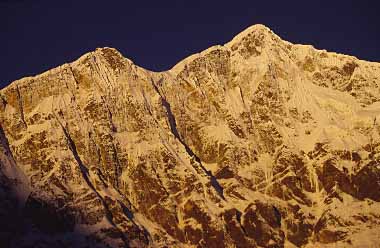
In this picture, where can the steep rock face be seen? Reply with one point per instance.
(256, 143)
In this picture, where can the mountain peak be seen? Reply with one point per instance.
(258, 30)
(254, 28)
(251, 40)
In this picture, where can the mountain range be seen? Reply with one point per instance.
(255, 143)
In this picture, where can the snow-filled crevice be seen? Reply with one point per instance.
(173, 127)
(85, 175)
(21, 106)
(82, 167)
(109, 114)
(131, 217)
(238, 218)
(74, 77)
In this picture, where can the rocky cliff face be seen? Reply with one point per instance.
(256, 143)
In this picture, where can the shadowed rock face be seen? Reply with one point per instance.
(256, 143)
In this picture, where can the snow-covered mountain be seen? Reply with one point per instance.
(255, 143)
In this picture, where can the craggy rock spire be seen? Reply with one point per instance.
(255, 143)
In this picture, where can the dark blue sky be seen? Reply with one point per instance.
(36, 35)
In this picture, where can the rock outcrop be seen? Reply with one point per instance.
(256, 143)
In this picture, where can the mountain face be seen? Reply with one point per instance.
(256, 143)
